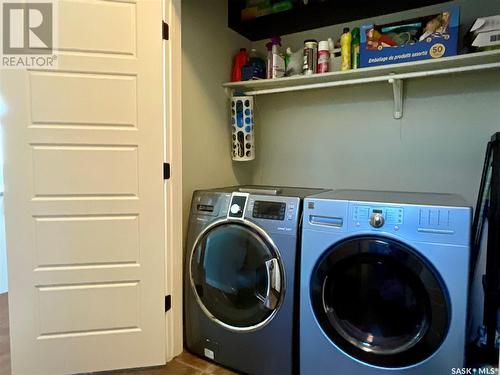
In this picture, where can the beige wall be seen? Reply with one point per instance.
(341, 137)
(347, 137)
(208, 47)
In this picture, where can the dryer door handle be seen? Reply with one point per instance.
(273, 284)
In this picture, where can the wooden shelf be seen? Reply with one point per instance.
(394, 74)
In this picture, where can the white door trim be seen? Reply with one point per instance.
(173, 155)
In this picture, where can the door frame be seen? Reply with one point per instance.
(172, 55)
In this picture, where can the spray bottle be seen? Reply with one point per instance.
(275, 60)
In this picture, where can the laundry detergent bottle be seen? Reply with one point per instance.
(240, 60)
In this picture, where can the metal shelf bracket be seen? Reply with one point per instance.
(397, 89)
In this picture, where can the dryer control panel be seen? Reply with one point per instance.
(377, 216)
(413, 221)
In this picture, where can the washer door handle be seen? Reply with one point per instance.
(273, 284)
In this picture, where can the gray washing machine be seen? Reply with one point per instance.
(240, 277)
(384, 283)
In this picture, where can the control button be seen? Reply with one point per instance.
(377, 220)
(235, 209)
(290, 217)
(396, 228)
(358, 224)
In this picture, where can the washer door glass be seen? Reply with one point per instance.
(380, 301)
(236, 276)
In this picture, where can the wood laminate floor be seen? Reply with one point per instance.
(184, 364)
(4, 336)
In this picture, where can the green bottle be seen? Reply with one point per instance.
(355, 48)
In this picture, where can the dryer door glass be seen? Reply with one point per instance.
(237, 276)
(380, 301)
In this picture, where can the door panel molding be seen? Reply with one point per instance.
(84, 203)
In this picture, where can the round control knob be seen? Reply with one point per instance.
(377, 220)
(235, 209)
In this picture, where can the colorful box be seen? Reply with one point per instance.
(423, 38)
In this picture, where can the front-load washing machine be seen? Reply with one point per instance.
(240, 277)
(384, 283)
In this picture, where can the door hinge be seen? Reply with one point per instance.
(165, 30)
(166, 171)
(168, 303)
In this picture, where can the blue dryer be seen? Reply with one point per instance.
(384, 283)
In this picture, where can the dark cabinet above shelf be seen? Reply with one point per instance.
(316, 14)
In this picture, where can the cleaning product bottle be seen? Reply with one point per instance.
(323, 57)
(255, 68)
(294, 62)
(240, 60)
(331, 48)
(269, 62)
(310, 65)
(345, 46)
(275, 59)
(355, 48)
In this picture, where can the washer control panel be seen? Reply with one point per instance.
(237, 205)
(377, 216)
(269, 210)
(275, 214)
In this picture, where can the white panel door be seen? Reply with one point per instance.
(84, 196)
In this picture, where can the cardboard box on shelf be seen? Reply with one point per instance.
(486, 32)
(429, 37)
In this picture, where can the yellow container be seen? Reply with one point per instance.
(345, 48)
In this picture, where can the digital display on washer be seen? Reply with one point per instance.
(269, 210)
(205, 208)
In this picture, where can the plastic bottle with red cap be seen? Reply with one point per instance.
(240, 60)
